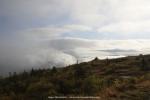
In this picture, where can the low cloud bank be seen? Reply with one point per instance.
(40, 51)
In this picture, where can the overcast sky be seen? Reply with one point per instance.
(45, 33)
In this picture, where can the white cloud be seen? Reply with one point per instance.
(127, 27)
(123, 16)
(47, 42)
(27, 52)
(32, 9)
(52, 32)
(77, 28)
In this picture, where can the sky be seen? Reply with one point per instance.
(47, 33)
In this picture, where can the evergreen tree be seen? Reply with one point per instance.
(107, 61)
(143, 64)
(10, 74)
(96, 58)
(32, 72)
(53, 70)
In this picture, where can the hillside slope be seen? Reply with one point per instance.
(125, 78)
